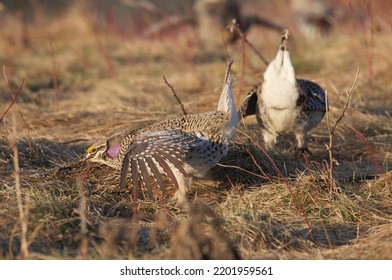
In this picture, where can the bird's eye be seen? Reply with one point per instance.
(92, 150)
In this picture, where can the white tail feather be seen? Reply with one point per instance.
(226, 104)
(279, 87)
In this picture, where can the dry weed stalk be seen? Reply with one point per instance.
(14, 95)
(106, 58)
(258, 166)
(225, 45)
(234, 27)
(245, 171)
(331, 130)
(83, 217)
(370, 152)
(285, 181)
(175, 95)
(234, 188)
(243, 54)
(14, 98)
(23, 209)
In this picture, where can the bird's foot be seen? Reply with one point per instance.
(301, 151)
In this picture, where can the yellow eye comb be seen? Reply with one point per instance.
(91, 149)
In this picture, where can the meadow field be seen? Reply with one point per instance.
(73, 74)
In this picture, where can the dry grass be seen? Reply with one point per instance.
(80, 89)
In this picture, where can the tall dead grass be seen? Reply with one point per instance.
(253, 205)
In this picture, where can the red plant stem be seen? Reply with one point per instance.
(370, 43)
(243, 53)
(234, 188)
(370, 151)
(54, 78)
(106, 59)
(289, 188)
(307, 163)
(14, 97)
(225, 43)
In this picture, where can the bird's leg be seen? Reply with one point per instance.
(301, 151)
(270, 138)
(184, 185)
(301, 147)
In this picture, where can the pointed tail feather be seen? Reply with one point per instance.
(226, 104)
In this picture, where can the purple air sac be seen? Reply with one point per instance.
(113, 151)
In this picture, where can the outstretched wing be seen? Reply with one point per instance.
(249, 105)
(154, 153)
(312, 94)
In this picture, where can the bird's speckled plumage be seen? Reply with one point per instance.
(181, 147)
(283, 104)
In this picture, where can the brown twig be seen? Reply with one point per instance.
(224, 42)
(233, 187)
(331, 130)
(234, 26)
(175, 95)
(243, 54)
(329, 146)
(349, 94)
(243, 170)
(14, 96)
(258, 165)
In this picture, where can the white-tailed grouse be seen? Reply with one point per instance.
(283, 104)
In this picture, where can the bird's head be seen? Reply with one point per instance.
(96, 153)
(106, 152)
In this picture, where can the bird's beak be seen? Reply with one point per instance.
(87, 157)
(89, 153)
